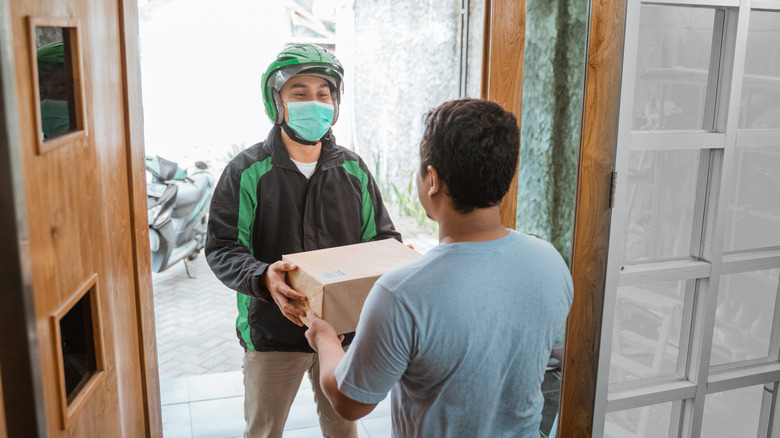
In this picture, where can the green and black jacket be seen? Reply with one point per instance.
(263, 207)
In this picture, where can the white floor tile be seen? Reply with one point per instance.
(174, 390)
(378, 427)
(217, 418)
(213, 386)
(176, 421)
(308, 432)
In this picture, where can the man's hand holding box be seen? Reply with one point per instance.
(337, 280)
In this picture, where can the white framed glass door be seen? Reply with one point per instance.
(691, 328)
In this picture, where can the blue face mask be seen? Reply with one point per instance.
(310, 120)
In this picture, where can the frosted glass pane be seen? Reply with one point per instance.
(673, 58)
(761, 84)
(743, 320)
(646, 337)
(753, 219)
(660, 199)
(646, 422)
(732, 414)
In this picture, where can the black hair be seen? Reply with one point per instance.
(473, 145)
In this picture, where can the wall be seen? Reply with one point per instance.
(406, 64)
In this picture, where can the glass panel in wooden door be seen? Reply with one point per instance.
(730, 414)
(645, 422)
(744, 316)
(760, 106)
(659, 219)
(673, 56)
(646, 339)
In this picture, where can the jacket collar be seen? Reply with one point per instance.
(330, 155)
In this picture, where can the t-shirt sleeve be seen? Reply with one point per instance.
(381, 351)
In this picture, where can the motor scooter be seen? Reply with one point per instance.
(177, 207)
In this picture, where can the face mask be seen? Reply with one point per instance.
(54, 117)
(310, 120)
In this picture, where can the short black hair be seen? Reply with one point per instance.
(473, 145)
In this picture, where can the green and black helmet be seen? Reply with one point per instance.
(297, 59)
(52, 52)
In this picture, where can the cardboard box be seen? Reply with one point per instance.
(338, 280)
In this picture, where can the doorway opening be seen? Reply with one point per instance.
(201, 67)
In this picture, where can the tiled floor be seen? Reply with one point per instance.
(212, 406)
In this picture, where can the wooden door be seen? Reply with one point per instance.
(77, 142)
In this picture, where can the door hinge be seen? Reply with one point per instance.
(612, 188)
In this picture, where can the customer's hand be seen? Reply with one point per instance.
(320, 332)
(282, 294)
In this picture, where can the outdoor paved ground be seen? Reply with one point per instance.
(195, 320)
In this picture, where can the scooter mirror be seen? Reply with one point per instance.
(201, 165)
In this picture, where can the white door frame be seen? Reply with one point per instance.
(717, 142)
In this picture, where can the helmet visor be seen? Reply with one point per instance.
(279, 77)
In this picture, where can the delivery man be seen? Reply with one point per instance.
(296, 191)
(463, 334)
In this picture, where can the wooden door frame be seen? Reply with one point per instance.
(25, 414)
(598, 144)
(142, 258)
(502, 76)
(503, 50)
(22, 383)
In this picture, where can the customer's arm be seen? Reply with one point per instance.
(327, 344)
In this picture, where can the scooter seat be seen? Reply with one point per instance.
(190, 193)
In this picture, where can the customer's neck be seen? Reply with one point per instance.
(480, 225)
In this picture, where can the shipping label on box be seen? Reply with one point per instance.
(337, 280)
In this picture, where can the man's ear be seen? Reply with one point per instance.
(436, 183)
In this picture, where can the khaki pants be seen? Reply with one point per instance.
(271, 381)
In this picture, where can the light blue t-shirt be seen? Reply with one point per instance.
(462, 337)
